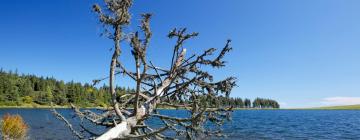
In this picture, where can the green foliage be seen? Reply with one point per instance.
(246, 103)
(265, 103)
(16, 90)
(27, 100)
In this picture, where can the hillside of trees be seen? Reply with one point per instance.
(17, 90)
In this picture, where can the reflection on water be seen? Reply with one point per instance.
(245, 124)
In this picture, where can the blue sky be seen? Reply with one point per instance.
(301, 53)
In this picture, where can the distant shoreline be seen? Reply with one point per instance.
(348, 107)
(345, 107)
(66, 107)
(43, 107)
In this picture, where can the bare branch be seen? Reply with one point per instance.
(183, 85)
(67, 123)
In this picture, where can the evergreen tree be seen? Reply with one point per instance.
(18, 89)
(247, 103)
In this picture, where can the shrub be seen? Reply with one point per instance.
(28, 99)
(13, 127)
(101, 104)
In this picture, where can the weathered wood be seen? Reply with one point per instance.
(184, 79)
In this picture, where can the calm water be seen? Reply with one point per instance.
(246, 124)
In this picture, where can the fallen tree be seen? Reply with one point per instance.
(183, 80)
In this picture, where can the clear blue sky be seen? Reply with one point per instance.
(301, 53)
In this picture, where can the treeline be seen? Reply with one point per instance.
(246, 103)
(265, 103)
(16, 90)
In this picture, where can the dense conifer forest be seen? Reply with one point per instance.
(30, 90)
(18, 90)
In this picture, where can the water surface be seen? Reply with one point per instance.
(245, 124)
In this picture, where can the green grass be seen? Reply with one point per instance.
(33, 106)
(346, 107)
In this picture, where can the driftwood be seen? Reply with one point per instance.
(182, 81)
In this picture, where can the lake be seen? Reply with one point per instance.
(245, 124)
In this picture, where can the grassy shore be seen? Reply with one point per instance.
(37, 106)
(30, 106)
(347, 107)
(34, 106)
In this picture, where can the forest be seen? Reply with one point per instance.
(30, 90)
(16, 90)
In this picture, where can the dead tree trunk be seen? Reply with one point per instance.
(183, 85)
